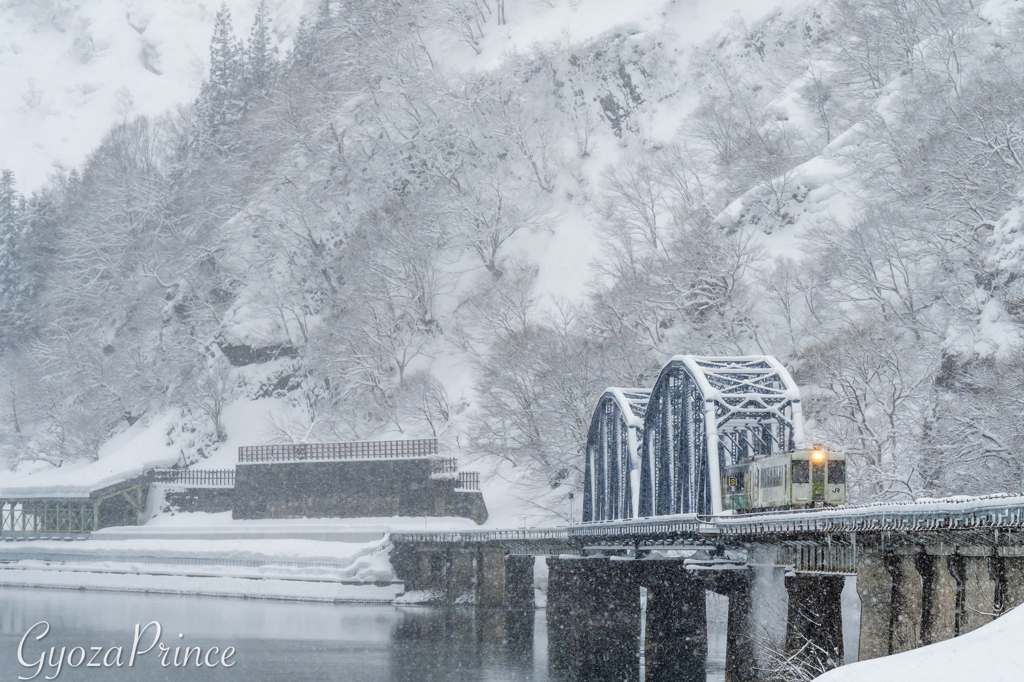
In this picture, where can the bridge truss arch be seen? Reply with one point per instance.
(734, 407)
(611, 475)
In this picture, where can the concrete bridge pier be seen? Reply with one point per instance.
(503, 580)
(1012, 569)
(488, 577)
(741, 636)
(458, 577)
(899, 608)
(907, 605)
(814, 623)
(981, 572)
(593, 616)
(915, 595)
(676, 637)
(940, 566)
(876, 587)
(566, 584)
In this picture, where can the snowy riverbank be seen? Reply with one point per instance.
(992, 653)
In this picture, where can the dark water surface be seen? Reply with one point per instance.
(272, 640)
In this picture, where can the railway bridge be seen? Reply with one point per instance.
(656, 536)
(925, 572)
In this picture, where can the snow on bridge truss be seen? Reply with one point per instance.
(647, 452)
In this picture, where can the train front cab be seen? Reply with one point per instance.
(803, 478)
(736, 491)
(818, 478)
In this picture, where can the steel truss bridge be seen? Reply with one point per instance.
(662, 451)
(653, 479)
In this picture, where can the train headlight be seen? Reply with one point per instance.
(817, 455)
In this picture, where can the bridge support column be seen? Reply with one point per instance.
(593, 619)
(503, 581)
(979, 601)
(459, 576)
(907, 601)
(419, 570)
(875, 588)
(519, 583)
(1013, 579)
(566, 590)
(816, 617)
(740, 665)
(676, 646)
(941, 595)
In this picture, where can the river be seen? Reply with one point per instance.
(273, 641)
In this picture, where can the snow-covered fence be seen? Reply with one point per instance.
(444, 466)
(304, 452)
(197, 478)
(468, 480)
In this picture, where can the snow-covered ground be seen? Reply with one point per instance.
(221, 525)
(269, 565)
(221, 586)
(992, 653)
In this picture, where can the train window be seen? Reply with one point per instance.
(837, 472)
(801, 471)
(772, 477)
(819, 472)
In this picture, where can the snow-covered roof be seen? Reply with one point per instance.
(125, 456)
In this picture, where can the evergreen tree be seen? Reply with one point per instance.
(10, 200)
(14, 289)
(323, 15)
(302, 50)
(221, 98)
(308, 36)
(261, 62)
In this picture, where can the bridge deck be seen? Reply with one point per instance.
(948, 514)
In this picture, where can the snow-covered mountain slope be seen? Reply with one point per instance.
(69, 69)
(469, 223)
(667, 32)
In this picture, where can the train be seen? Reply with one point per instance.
(800, 479)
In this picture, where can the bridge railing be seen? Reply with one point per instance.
(991, 511)
(478, 536)
(27, 554)
(304, 452)
(196, 478)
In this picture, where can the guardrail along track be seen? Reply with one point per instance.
(988, 512)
